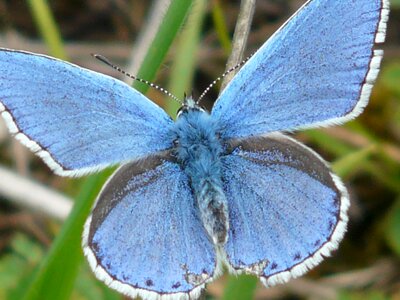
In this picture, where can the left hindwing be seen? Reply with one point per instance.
(286, 209)
(145, 237)
(317, 70)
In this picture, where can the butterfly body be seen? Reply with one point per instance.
(198, 150)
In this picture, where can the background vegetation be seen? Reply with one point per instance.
(185, 47)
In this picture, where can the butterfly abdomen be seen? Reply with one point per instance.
(198, 150)
(213, 210)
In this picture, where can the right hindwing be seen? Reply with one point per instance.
(286, 209)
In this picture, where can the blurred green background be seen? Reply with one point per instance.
(184, 47)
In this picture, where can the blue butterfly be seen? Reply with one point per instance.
(211, 189)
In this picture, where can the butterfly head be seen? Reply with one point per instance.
(189, 104)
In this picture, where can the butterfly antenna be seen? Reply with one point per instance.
(107, 62)
(222, 76)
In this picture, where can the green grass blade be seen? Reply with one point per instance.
(395, 4)
(392, 228)
(48, 28)
(169, 27)
(327, 142)
(220, 27)
(185, 57)
(57, 273)
(352, 161)
(391, 74)
(240, 287)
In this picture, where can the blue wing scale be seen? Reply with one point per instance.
(317, 70)
(145, 220)
(286, 208)
(77, 120)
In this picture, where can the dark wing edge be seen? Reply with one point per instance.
(45, 155)
(41, 151)
(130, 291)
(370, 77)
(325, 250)
(328, 247)
(127, 289)
(380, 34)
(36, 147)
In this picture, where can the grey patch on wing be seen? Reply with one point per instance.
(256, 268)
(120, 184)
(277, 149)
(195, 279)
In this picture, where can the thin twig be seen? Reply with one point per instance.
(21, 156)
(326, 287)
(143, 42)
(358, 140)
(3, 131)
(28, 193)
(381, 270)
(25, 222)
(240, 36)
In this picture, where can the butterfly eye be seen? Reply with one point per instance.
(175, 142)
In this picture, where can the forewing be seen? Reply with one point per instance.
(144, 236)
(286, 209)
(317, 70)
(77, 120)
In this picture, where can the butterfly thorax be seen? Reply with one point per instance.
(198, 150)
